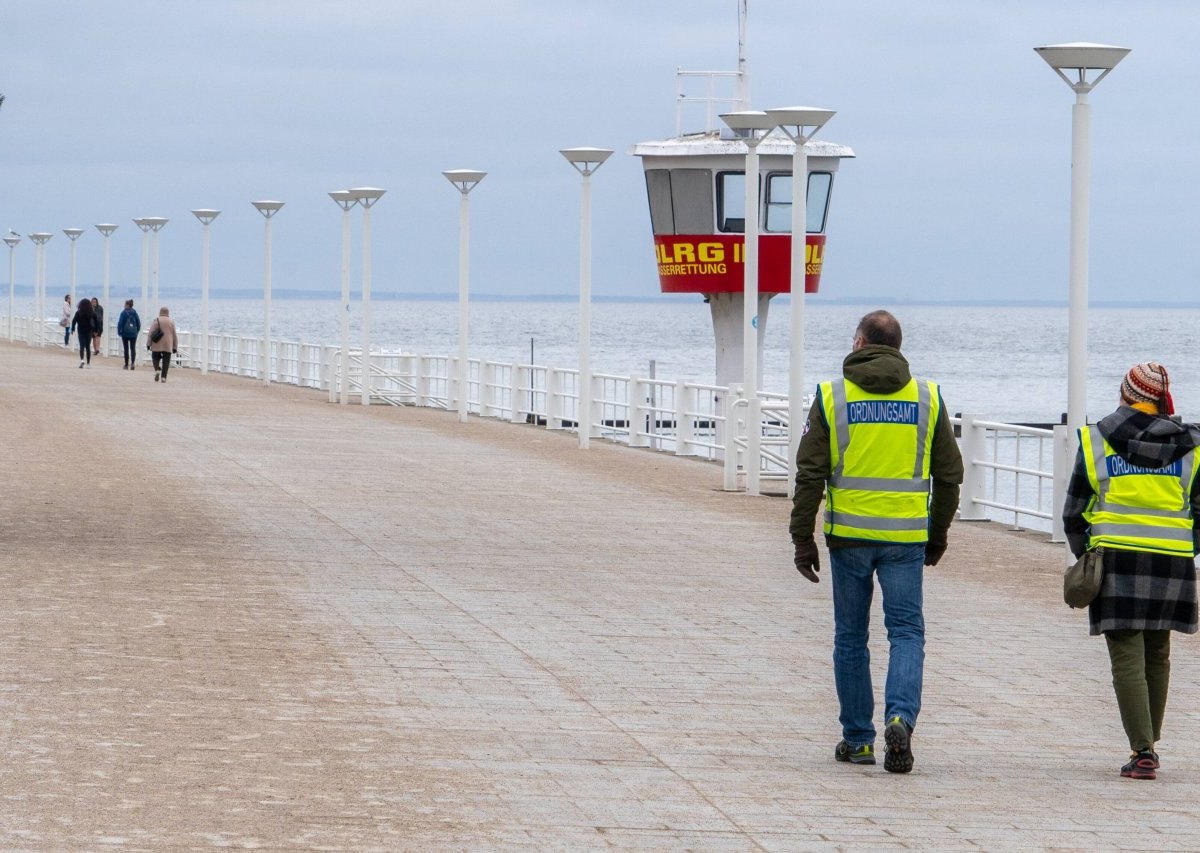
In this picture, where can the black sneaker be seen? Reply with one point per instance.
(864, 754)
(1142, 765)
(898, 737)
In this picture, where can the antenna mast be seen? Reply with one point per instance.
(743, 82)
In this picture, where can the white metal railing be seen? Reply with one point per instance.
(1013, 472)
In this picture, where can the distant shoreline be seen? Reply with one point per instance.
(330, 295)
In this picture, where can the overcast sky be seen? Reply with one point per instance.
(960, 189)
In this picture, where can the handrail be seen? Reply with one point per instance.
(684, 418)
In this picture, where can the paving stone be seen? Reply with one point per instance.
(237, 616)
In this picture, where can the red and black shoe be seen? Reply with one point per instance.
(1142, 765)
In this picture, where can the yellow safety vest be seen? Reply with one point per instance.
(1137, 509)
(880, 446)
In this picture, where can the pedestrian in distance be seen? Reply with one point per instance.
(875, 442)
(82, 325)
(98, 324)
(1133, 494)
(65, 320)
(129, 324)
(162, 342)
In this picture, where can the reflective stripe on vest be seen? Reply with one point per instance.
(1137, 509)
(879, 487)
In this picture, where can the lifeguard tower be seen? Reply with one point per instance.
(696, 187)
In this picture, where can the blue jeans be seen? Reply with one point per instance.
(900, 570)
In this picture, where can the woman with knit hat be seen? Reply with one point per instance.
(1134, 495)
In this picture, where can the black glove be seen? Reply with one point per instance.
(807, 560)
(935, 547)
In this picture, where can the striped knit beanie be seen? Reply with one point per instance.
(1148, 383)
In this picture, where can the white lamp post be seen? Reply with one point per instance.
(40, 238)
(345, 200)
(12, 240)
(1073, 62)
(73, 234)
(586, 161)
(268, 209)
(155, 224)
(464, 181)
(750, 126)
(144, 226)
(800, 124)
(367, 197)
(107, 229)
(206, 217)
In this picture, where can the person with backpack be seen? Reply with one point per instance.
(82, 324)
(129, 325)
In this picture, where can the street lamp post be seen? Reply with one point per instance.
(750, 127)
(206, 217)
(268, 209)
(464, 181)
(73, 234)
(12, 240)
(1072, 62)
(155, 224)
(107, 229)
(367, 197)
(800, 124)
(585, 161)
(144, 226)
(346, 201)
(40, 238)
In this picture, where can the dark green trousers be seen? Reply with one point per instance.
(1141, 669)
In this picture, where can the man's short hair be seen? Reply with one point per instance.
(880, 327)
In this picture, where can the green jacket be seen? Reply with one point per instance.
(879, 370)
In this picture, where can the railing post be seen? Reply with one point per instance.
(639, 414)
(685, 426)
(732, 399)
(1064, 461)
(487, 389)
(365, 400)
(330, 358)
(554, 418)
(515, 414)
(753, 462)
(974, 444)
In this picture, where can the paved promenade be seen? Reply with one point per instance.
(241, 617)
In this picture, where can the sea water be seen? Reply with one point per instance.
(1008, 363)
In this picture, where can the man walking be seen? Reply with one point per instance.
(875, 442)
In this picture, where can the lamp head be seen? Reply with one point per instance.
(267, 208)
(1073, 61)
(586, 160)
(749, 126)
(464, 180)
(106, 228)
(366, 196)
(155, 223)
(206, 215)
(12, 241)
(800, 123)
(73, 233)
(343, 199)
(40, 237)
